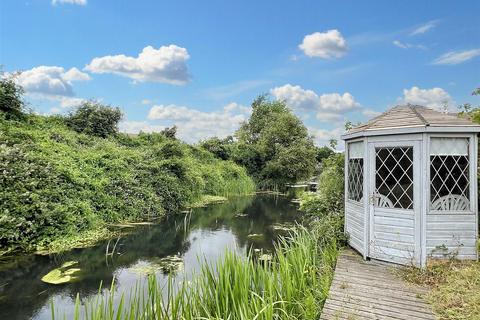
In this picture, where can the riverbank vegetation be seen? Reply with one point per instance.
(273, 145)
(64, 175)
(292, 285)
(454, 287)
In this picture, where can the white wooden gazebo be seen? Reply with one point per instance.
(411, 186)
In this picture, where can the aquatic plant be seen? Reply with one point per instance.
(63, 274)
(293, 284)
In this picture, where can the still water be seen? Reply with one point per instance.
(241, 224)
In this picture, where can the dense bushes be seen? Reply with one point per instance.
(95, 119)
(57, 182)
(11, 102)
(329, 198)
(273, 145)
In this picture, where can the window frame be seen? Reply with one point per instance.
(471, 174)
(347, 171)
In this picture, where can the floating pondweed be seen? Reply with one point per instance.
(63, 274)
(169, 264)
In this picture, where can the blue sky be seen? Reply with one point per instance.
(199, 64)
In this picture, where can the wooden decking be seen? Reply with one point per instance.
(369, 290)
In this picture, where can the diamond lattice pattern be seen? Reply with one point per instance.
(394, 176)
(449, 176)
(355, 179)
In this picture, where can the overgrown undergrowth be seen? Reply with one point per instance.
(293, 285)
(57, 183)
(455, 287)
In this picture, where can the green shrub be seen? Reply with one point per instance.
(57, 182)
(11, 101)
(95, 119)
(331, 184)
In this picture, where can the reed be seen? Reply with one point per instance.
(293, 285)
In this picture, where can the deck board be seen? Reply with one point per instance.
(370, 290)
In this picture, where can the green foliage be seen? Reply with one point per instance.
(274, 145)
(292, 285)
(96, 119)
(11, 101)
(56, 182)
(323, 153)
(221, 148)
(330, 195)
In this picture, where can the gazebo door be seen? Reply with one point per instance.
(395, 201)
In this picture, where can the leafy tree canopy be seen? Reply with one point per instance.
(11, 101)
(274, 145)
(96, 119)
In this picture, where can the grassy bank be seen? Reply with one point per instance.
(455, 287)
(293, 285)
(58, 184)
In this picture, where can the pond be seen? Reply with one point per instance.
(240, 224)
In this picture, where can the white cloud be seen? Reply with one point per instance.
(78, 2)
(166, 64)
(328, 107)
(322, 137)
(326, 45)
(424, 28)
(50, 80)
(52, 83)
(405, 45)
(456, 57)
(194, 125)
(435, 98)
(137, 126)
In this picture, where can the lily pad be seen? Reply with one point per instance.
(62, 274)
(169, 264)
(255, 236)
(282, 227)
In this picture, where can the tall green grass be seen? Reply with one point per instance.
(293, 285)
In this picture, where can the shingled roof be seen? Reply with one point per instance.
(413, 116)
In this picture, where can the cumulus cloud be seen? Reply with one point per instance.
(77, 2)
(137, 126)
(457, 57)
(424, 28)
(325, 45)
(194, 125)
(52, 83)
(166, 64)
(328, 107)
(51, 80)
(322, 137)
(435, 98)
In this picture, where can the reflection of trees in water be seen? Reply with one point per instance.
(262, 211)
(24, 292)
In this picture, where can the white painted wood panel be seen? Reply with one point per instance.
(354, 225)
(451, 234)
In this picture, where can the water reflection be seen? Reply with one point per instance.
(202, 236)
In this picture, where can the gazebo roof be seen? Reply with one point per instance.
(412, 119)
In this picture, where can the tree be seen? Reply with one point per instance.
(95, 119)
(170, 132)
(274, 145)
(11, 101)
(221, 148)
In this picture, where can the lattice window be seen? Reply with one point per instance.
(394, 177)
(355, 171)
(449, 174)
(355, 179)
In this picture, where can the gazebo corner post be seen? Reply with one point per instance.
(366, 199)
